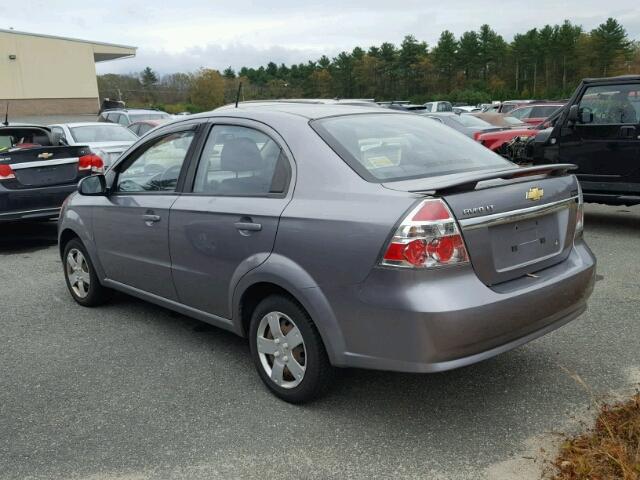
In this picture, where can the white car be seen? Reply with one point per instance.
(107, 140)
(441, 106)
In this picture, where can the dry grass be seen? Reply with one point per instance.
(609, 450)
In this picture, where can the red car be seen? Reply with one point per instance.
(535, 114)
(495, 140)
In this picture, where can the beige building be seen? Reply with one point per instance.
(47, 75)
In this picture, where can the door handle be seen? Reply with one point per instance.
(248, 226)
(150, 218)
(627, 131)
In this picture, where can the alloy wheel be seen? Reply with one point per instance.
(281, 349)
(77, 271)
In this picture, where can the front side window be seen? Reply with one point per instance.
(241, 161)
(159, 166)
(610, 104)
(390, 147)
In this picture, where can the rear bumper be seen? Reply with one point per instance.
(434, 321)
(33, 203)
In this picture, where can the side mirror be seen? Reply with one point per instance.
(586, 115)
(573, 114)
(95, 185)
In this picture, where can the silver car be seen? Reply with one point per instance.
(107, 140)
(333, 236)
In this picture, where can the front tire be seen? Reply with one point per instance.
(287, 350)
(80, 276)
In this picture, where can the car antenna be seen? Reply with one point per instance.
(238, 94)
(6, 116)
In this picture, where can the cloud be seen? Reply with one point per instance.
(182, 36)
(218, 57)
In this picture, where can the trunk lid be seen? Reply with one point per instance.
(44, 166)
(513, 222)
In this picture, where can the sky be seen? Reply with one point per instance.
(184, 35)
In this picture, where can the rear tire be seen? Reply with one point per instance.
(80, 276)
(288, 351)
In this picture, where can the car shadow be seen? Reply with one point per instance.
(26, 237)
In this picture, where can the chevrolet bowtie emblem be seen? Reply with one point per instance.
(45, 155)
(534, 194)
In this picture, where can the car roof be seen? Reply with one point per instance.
(440, 114)
(310, 111)
(132, 110)
(23, 125)
(86, 124)
(529, 105)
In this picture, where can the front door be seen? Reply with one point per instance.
(227, 225)
(605, 140)
(131, 225)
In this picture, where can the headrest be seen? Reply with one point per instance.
(42, 139)
(240, 155)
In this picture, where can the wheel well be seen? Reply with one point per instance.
(65, 237)
(254, 295)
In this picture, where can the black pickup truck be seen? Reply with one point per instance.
(599, 131)
(37, 173)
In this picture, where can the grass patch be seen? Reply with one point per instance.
(609, 450)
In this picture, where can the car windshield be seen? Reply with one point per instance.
(390, 147)
(471, 121)
(102, 133)
(513, 121)
(138, 117)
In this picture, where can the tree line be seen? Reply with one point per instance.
(479, 66)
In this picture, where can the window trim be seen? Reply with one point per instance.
(245, 123)
(150, 142)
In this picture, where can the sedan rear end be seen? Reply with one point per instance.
(34, 182)
(485, 258)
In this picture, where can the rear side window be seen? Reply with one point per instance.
(241, 161)
(390, 147)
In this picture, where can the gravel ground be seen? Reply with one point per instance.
(134, 391)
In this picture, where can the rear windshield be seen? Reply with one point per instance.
(138, 117)
(471, 121)
(104, 132)
(543, 111)
(390, 147)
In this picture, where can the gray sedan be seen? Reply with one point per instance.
(333, 236)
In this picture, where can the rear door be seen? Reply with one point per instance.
(131, 224)
(227, 224)
(605, 141)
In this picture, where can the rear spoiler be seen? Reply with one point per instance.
(469, 181)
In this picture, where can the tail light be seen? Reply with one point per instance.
(91, 162)
(6, 172)
(580, 214)
(427, 238)
(476, 136)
